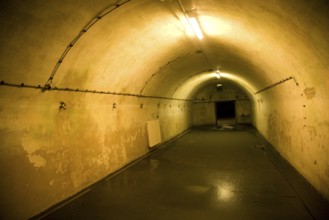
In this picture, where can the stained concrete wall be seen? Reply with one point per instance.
(296, 123)
(145, 48)
(204, 107)
(48, 154)
(204, 113)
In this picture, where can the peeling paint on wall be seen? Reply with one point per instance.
(31, 147)
(54, 154)
(37, 160)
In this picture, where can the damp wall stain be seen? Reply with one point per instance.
(278, 131)
(310, 92)
(300, 141)
(48, 155)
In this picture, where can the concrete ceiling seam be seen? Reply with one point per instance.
(168, 64)
(159, 70)
(91, 23)
(187, 79)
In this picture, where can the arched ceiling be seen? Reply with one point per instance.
(145, 46)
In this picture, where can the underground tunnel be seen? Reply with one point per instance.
(87, 87)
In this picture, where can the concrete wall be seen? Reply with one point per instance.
(204, 113)
(48, 154)
(296, 123)
(243, 111)
(145, 48)
(204, 107)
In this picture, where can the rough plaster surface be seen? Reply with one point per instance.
(204, 113)
(145, 48)
(299, 132)
(49, 154)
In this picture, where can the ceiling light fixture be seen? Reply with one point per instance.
(196, 27)
(192, 20)
(218, 74)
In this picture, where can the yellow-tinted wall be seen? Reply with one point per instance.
(48, 154)
(204, 107)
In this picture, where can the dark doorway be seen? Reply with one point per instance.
(225, 109)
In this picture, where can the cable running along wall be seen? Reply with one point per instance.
(44, 88)
(80, 34)
(48, 87)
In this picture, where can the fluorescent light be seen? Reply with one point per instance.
(196, 27)
(218, 74)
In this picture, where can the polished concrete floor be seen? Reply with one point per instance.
(208, 173)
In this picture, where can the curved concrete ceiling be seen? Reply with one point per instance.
(276, 50)
(144, 47)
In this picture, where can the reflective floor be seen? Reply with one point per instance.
(208, 173)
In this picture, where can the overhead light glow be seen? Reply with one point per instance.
(196, 27)
(218, 74)
(210, 26)
(191, 85)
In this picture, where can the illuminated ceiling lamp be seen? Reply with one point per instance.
(192, 20)
(218, 74)
(195, 26)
